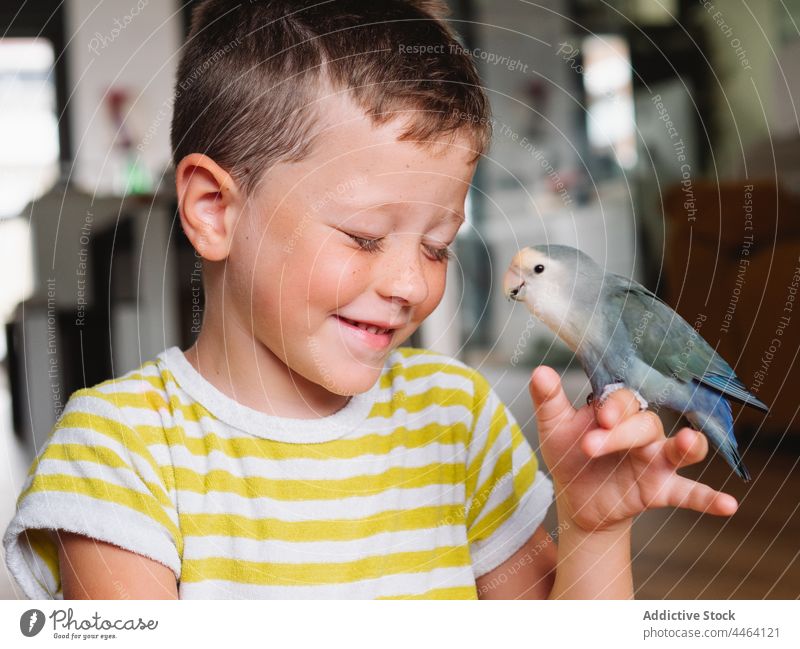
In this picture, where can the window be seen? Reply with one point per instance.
(28, 123)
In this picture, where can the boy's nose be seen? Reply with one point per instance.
(405, 279)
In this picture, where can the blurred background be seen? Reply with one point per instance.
(659, 136)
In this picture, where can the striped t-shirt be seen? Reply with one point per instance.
(414, 489)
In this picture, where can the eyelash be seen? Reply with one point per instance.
(374, 245)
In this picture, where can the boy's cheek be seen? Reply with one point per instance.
(336, 271)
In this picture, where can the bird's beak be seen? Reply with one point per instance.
(513, 283)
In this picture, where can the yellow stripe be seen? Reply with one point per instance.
(454, 592)
(195, 412)
(150, 400)
(101, 490)
(369, 444)
(436, 473)
(415, 403)
(218, 481)
(262, 529)
(105, 457)
(183, 478)
(497, 516)
(502, 471)
(409, 352)
(496, 426)
(156, 380)
(115, 430)
(421, 370)
(525, 476)
(41, 543)
(306, 574)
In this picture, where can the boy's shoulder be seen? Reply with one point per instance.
(144, 386)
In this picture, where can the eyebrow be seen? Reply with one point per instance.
(453, 216)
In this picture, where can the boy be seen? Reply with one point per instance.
(297, 449)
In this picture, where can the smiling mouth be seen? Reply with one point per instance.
(366, 327)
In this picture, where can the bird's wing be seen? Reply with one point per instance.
(669, 344)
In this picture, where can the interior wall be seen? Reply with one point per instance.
(133, 46)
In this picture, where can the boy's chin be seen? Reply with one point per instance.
(347, 380)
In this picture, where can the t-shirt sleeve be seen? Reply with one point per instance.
(95, 476)
(507, 496)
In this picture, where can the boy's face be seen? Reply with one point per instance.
(354, 232)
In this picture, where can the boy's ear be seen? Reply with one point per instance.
(209, 204)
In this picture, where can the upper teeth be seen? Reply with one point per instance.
(371, 328)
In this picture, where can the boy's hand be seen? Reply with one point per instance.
(611, 462)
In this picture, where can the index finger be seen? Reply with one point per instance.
(550, 403)
(619, 405)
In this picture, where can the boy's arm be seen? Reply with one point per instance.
(92, 569)
(594, 565)
(582, 565)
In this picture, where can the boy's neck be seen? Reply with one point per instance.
(252, 375)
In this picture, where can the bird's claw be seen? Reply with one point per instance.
(589, 398)
(613, 387)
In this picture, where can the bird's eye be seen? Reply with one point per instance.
(538, 268)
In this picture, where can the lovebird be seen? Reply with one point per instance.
(626, 337)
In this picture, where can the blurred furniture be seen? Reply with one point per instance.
(116, 282)
(777, 158)
(732, 270)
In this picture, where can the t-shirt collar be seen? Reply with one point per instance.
(261, 424)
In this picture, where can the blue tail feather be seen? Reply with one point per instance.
(709, 412)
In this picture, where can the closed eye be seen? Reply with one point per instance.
(369, 245)
(440, 254)
(375, 245)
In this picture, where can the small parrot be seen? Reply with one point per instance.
(626, 337)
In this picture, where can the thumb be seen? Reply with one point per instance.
(548, 396)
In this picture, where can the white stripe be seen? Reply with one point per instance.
(501, 443)
(425, 358)
(435, 412)
(421, 384)
(443, 414)
(92, 439)
(489, 553)
(249, 466)
(390, 585)
(120, 477)
(128, 385)
(504, 486)
(221, 502)
(384, 543)
(480, 436)
(308, 468)
(354, 507)
(412, 387)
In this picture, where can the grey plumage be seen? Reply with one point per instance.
(623, 334)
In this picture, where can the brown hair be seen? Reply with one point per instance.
(250, 72)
